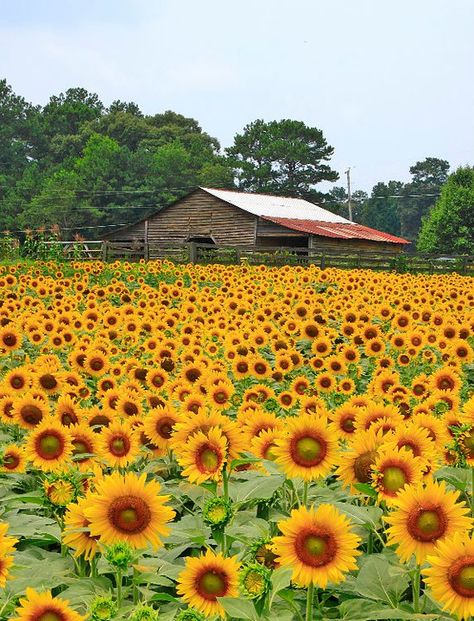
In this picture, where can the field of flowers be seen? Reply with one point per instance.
(201, 442)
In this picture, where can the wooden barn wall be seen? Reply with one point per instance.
(134, 231)
(265, 228)
(352, 245)
(198, 215)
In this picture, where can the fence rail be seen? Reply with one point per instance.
(268, 255)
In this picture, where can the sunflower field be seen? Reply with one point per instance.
(191, 442)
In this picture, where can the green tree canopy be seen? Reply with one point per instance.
(421, 193)
(282, 157)
(449, 227)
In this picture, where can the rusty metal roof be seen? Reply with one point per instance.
(346, 230)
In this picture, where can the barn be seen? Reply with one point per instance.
(225, 217)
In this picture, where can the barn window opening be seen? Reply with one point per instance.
(201, 240)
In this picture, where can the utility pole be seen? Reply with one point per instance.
(349, 203)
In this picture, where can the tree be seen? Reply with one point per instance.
(421, 193)
(449, 227)
(281, 157)
(16, 133)
(336, 201)
(380, 211)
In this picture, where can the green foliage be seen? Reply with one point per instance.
(449, 227)
(282, 157)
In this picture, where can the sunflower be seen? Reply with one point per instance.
(205, 578)
(445, 379)
(75, 534)
(158, 425)
(260, 420)
(29, 410)
(67, 410)
(342, 420)
(84, 445)
(17, 379)
(434, 426)
(203, 456)
(7, 547)
(13, 459)
(48, 446)
(307, 449)
(118, 444)
(47, 379)
(354, 465)
(318, 544)
(423, 516)
(263, 444)
(451, 575)
(10, 339)
(43, 606)
(190, 424)
(394, 468)
(414, 438)
(127, 508)
(365, 417)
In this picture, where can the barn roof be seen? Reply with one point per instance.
(267, 205)
(300, 215)
(346, 230)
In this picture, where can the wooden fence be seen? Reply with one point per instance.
(273, 255)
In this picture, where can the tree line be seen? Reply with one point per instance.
(78, 165)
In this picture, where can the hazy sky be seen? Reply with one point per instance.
(389, 82)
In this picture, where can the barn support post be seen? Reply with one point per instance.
(323, 261)
(105, 251)
(146, 251)
(193, 252)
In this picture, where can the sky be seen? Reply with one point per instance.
(389, 82)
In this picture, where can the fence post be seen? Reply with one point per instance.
(105, 247)
(192, 252)
(323, 261)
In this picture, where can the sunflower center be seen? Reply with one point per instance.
(68, 419)
(164, 427)
(96, 364)
(411, 447)
(469, 443)
(209, 459)
(427, 524)
(393, 479)
(315, 548)
(269, 452)
(9, 340)
(461, 576)
(347, 424)
(212, 584)
(31, 414)
(220, 396)
(50, 615)
(48, 381)
(17, 382)
(49, 446)
(11, 461)
(119, 446)
(308, 451)
(362, 466)
(129, 514)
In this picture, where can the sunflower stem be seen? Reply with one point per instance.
(225, 484)
(309, 602)
(416, 589)
(136, 592)
(370, 542)
(118, 579)
(305, 493)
